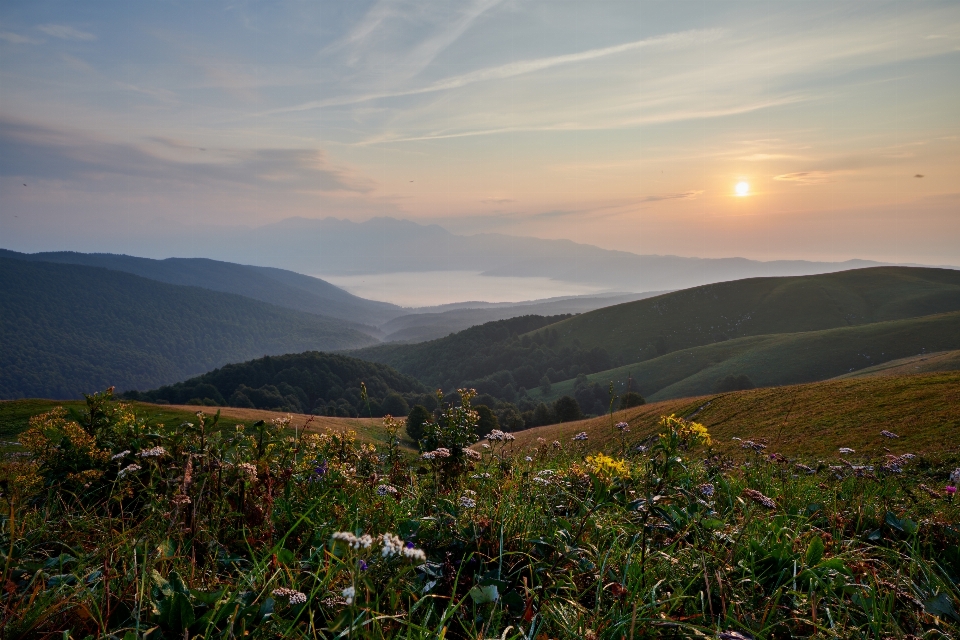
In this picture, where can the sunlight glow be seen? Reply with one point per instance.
(742, 188)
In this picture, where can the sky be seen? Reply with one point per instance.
(627, 125)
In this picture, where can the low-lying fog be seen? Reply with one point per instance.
(429, 288)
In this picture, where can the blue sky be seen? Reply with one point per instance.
(621, 124)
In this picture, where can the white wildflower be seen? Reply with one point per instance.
(528, 459)
(623, 427)
(472, 454)
(153, 452)
(392, 545)
(888, 434)
(130, 468)
(846, 450)
(414, 555)
(467, 503)
(386, 490)
(580, 437)
(292, 595)
(120, 455)
(348, 594)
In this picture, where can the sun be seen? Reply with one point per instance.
(742, 188)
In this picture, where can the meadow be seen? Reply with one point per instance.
(634, 525)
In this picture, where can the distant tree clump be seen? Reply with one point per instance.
(567, 410)
(394, 405)
(488, 420)
(734, 383)
(311, 382)
(416, 419)
(631, 399)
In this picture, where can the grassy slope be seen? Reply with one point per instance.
(924, 363)
(67, 329)
(15, 417)
(759, 306)
(779, 359)
(810, 419)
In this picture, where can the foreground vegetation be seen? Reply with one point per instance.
(117, 528)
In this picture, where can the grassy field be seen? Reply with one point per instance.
(924, 363)
(112, 531)
(809, 420)
(761, 306)
(15, 416)
(775, 360)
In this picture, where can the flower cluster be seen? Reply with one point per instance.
(249, 470)
(623, 427)
(386, 490)
(153, 452)
(349, 594)
(292, 595)
(706, 490)
(438, 454)
(750, 444)
(805, 468)
(760, 499)
(352, 541)
(846, 450)
(472, 454)
(608, 468)
(888, 434)
(117, 456)
(130, 468)
(581, 437)
(467, 503)
(499, 436)
(393, 546)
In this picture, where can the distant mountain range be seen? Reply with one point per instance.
(331, 246)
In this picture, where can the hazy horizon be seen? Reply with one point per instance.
(627, 126)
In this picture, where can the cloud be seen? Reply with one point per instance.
(497, 200)
(686, 195)
(65, 32)
(16, 38)
(805, 177)
(34, 151)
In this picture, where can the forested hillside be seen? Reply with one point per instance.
(312, 382)
(274, 286)
(646, 329)
(69, 329)
(493, 358)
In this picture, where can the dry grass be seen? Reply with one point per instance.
(809, 420)
(925, 363)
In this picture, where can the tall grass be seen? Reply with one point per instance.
(226, 533)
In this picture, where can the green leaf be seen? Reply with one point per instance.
(713, 524)
(893, 521)
(941, 606)
(286, 556)
(814, 552)
(484, 594)
(176, 613)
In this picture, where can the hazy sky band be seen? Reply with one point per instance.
(622, 124)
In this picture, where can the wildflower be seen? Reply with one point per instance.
(623, 427)
(472, 454)
(467, 503)
(352, 541)
(541, 480)
(955, 476)
(546, 472)
(414, 555)
(130, 468)
(750, 444)
(541, 440)
(706, 489)
(120, 455)
(485, 445)
(495, 436)
(362, 565)
(442, 452)
(428, 455)
(581, 437)
(846, 450)
(386, 489)
(292, 595)
(805, 468)
(469, 492)
(153, 452)
(607, 467)
(528, 459)
(556, 444)
(640, 448)
(950, 490)
(349, 593)
(888, 434)
(760, 499)
(321, 469)
(392, 545)
(249, 470)
(480, 476)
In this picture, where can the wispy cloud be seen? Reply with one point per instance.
(686, 195)
(16, 38)
(806, 177)
(65, 32)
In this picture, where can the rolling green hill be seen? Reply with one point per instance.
(324, 383)
(777, 359)
(646, 329)
(921, 363)
(70, 329)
